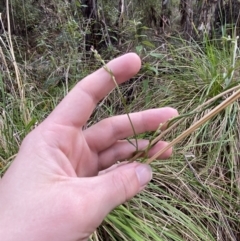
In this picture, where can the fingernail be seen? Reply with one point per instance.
(144, 174)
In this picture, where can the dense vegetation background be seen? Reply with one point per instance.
(190, 55)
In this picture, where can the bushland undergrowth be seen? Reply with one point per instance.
(195, 194)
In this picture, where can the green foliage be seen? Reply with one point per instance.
(195, 194)
(25, 14)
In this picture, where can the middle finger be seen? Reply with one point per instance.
(106, 132)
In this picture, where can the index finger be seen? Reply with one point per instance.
(75, 109)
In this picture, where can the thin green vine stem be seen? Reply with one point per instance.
(99, 58)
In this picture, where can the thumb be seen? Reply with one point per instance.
(117, 186)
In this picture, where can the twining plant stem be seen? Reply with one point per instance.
(99, 58)
(197, 124)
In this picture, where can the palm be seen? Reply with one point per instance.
(77, 157)
(85, 153)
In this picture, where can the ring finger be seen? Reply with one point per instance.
(121, 150)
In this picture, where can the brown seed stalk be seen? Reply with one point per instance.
(197, 124)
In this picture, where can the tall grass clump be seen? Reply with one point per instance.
(195, 194)
(32, 82)
(14, 112)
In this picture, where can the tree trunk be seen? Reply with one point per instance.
(90, 13)
(90, 9)
(120, 18)
(165, 15)
(207, 16)
(186, 10)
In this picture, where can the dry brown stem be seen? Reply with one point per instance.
(158, 138)
(197, 124)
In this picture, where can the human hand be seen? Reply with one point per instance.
(53, 190)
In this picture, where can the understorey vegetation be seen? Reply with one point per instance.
(190, 61)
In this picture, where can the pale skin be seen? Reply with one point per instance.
(63, 182)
